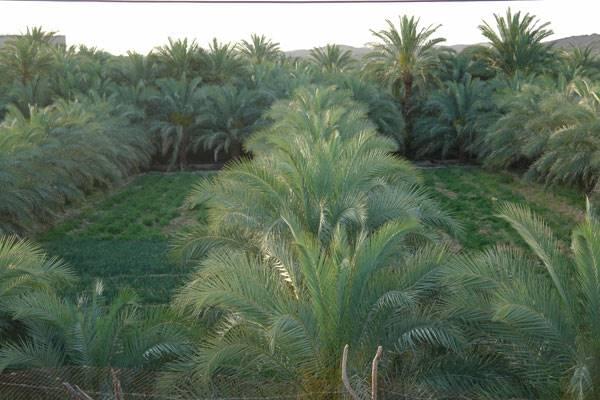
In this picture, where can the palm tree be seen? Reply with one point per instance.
(93, 334)
(572, 154)
(179, 58)
(382, 107)
(285, 317)
(221, 63)
(26, 269)
(404, 57)
(179, 102)
(332, 58)
(259, 49)
(329, 170)
(518, 46)
(28, 60)
(229, 115)
(61, 153)
(458, 117)
(538, 310)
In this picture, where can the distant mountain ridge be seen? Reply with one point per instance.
(580, 41)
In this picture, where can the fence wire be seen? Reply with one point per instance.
(141, 384)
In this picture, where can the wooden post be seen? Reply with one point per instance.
(345, 374)
(118, 392)
(374, 366)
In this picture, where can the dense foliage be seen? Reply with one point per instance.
(319, 232)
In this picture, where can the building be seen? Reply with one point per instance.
(57, 40)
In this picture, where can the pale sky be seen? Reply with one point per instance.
(119, 27)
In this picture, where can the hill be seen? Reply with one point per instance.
(581, 41)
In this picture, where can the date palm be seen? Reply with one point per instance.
(26, 269)
(228, 116)
(259, 49)
(221, 63)
(28, 61)
(538, 310)
(458, 117)
(517, 43)
(92, 335)
(179, 58)
(285, 318)
(330, 169)
(176, 124)
(403, 58)
(332, 58)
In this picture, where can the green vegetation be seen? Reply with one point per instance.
(124, 239)
(480, 281)
(473, 195)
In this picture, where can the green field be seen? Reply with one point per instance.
(473, 196)
(123, 238)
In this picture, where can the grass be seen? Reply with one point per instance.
(474, 195)
(123, 239)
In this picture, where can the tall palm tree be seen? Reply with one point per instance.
(179, 58)
(259, 49)
(538, 310)
(404, 57)
(332, 58)
(517, 43)
(221, 63)
(28, 60)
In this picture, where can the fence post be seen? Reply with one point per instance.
(374, 367)
(345, 374)
(118, 392)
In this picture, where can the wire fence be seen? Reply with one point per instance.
(91, 383)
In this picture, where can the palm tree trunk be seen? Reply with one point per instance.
(235, 150)
(406, 108)
(183, 149)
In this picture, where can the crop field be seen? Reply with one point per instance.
(473, 195)
(123, 239)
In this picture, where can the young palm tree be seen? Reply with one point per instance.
(330, 169)
(403, 58)
(538, 311)
(61, 153)
(382, 107)
(332, 59)
(572, 154)
(286, 316)
(93, 334)
(26, 269)
(259, 49)
(517, 43)
(179, 102)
